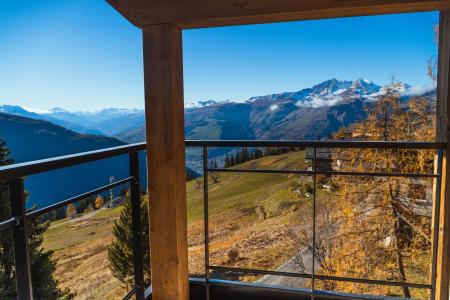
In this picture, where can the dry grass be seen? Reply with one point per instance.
(80, 247)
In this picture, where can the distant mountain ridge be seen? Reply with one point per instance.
(20, 111)
(108, 121)
(311, 113)
(30, 139)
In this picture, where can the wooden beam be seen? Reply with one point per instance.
(164, 111)
(442, 135)
(212, 13)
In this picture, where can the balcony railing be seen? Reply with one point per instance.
(210, 288)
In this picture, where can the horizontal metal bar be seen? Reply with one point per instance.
(63, 203)
(259, 272)
(318, 144)
(267, 171)
(44, 165)
(263, 289)
(8, 224)
(378, 174)
(375, 281)
(304, 172)
(131, 293)
(321, 277)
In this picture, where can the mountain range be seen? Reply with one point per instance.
(31, 139)
(311, 113)
(109, 121)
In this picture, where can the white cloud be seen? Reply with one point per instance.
(36, 110)
(316, 102)
(273, 107)
(418, 89)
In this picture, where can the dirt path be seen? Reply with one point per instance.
(76, 219)
(291, 266)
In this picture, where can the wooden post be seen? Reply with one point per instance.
(442, 135)
(164, 110)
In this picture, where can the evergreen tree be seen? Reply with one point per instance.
(232, 160)
(227, 161)
(45, 286)
(83, 204)
(260, 153)
(59, 214)
(244, 155)
(237, 158)
(213, 164)
(120, 252)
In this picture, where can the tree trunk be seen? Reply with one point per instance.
(397, 235)
(401, 268)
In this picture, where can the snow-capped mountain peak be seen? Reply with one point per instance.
(57, 110)
(330, 87)
(363, 86)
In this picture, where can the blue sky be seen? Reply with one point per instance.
(82, 55)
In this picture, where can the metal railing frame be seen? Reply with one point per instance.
(19, 216)
(313, 173)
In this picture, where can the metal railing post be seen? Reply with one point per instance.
(313, 273)
(435, 225)
(19, 234)
(206, 218)
(135, 199)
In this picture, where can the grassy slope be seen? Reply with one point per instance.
(250, 213)
(80, 244)
(80, 247)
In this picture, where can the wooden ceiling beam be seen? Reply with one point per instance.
(212, 13)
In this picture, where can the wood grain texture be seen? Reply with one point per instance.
(211, 13)
(442, 135)
(164, 109)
